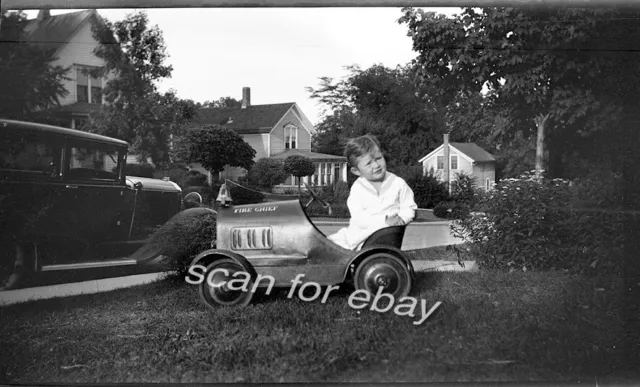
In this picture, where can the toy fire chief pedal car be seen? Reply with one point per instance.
(278, 241)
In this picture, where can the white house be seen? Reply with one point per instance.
(464, 157)
(274, 130)
(70, 36)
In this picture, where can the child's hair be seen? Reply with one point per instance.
(360, 146)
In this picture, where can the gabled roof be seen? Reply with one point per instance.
(250, 120)
(468, 149)
(307, 153)
(55, 31)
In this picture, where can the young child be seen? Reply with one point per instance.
(378, 198)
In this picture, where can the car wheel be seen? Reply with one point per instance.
(214, 290)
(12, 259)
(383, 270)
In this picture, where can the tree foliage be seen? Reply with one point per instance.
(31, 84)
(577, 67)
(214, 147)
(299, 166)
(135, 111)
(267, 173)
(222, 102)
(388, 103)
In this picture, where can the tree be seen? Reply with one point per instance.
(135, 111)
(299, 166)
(31, 85)
(267, 173)
(222, 102)
(567, 72)
(388, 103)
(214, 147)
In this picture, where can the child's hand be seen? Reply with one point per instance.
(394, 220)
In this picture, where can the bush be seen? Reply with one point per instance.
(208, 195)
(241, 195)
(176, 174)
(194, 179)
(463, 189)
(139, 170)
(182, 238)
(529, 225)
(266, 173)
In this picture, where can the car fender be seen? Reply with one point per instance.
(368, 251)
(208, 256)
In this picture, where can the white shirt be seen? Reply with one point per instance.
(369, 209)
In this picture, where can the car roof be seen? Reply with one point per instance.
(58, 130)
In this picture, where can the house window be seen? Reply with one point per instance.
(290, 136)
(336, 172)
(88, 88)
(440, 162)
(454, 162)
(488, 184)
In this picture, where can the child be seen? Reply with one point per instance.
(378, 198)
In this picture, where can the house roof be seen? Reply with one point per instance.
(307, 153)
(474, 152)
(468, 149)
(250, 120)
(56, 30)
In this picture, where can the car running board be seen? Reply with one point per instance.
(89, 265)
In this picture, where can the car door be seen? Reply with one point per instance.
(99, 202)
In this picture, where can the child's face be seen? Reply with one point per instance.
(371, 166)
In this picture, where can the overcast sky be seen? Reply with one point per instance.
(277, 52)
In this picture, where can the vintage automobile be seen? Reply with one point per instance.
(66, 204)
(278, 240)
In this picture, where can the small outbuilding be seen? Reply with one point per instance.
(464, 157)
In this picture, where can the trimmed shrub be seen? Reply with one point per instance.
(266, 173)
(194, 179)
(181, 239)
(242, 195)
(530, 225)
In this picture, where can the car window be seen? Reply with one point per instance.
(93, 162)
(28, 154)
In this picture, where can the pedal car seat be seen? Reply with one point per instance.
(389, 236)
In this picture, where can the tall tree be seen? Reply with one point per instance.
(134, 110)
(31, 84)
(222, 102)
(559, 71)
(388, 103)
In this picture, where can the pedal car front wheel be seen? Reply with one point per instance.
(221, 288)
(383, 270)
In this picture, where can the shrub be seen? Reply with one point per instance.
(177, 174)
(463, 189)
(242, 195)
(195, 179)
(266, 173)
(139, 170)
(181, 239)
(444, 209)
(528, 225)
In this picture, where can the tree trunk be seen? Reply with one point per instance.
(540, 121)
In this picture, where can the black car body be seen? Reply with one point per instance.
(66, 204)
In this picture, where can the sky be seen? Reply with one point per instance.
(277, 52)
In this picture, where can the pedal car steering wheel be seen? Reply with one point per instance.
(314, 196)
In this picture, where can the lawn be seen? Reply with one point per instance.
(489, 327)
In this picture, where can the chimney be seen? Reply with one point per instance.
(446, 158)
(43, 14)
(246, 97)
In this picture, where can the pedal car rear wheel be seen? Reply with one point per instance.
(383, 270)
(214, 290)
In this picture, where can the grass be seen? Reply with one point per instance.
(489, 327)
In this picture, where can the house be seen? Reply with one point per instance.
(69, 36)
(274, 130)
(464, 157)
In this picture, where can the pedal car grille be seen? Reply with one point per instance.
(251, 238)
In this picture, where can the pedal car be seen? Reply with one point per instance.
(275, 242)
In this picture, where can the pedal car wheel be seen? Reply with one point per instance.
(214, 290)
(383, 270)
